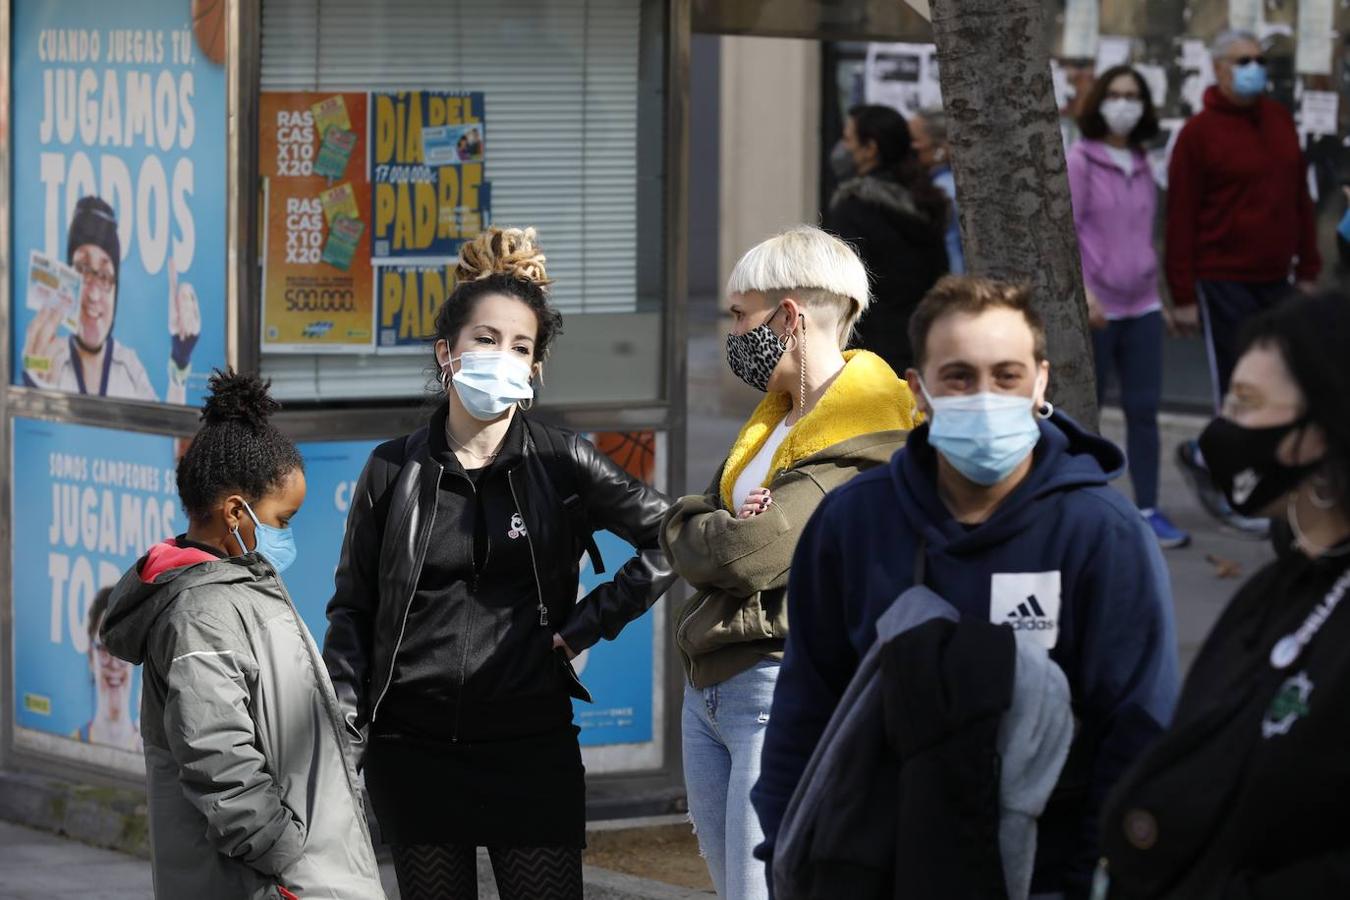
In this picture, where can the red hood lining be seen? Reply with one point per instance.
(167, 556)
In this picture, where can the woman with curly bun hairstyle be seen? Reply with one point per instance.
(250, 791)
(456, 610)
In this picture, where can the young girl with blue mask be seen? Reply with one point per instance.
(250, 791)
(457, 613)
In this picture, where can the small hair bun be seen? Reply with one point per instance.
(236, 397)
(503, 251)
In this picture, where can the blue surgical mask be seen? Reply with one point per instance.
(984, 436)
(1249, 80)
(276, 545)
(490, 382)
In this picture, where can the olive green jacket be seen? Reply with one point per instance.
(739, 567)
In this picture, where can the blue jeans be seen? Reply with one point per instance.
(723, 731)
(1132, 348)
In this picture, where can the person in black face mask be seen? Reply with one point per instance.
(1244, 797)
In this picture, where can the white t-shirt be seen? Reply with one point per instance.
(1122, 157)
(757, 469)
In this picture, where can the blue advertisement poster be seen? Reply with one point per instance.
(331, 471)
(90, 501)
(87, 502)
(618, 673)
(118, 137)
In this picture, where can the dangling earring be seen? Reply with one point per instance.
(1316, 485)
(442, 375)
(527, 405)
(801, 369)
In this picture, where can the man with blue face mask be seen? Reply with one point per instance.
(1002, 507)
(1241, 227)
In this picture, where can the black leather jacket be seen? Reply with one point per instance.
(388, 529)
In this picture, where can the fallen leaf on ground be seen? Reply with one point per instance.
(1224, 568)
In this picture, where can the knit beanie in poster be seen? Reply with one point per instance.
(94, 223)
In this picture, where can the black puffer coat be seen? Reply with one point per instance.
(905, 253)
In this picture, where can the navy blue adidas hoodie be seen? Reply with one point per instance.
(1065, 557)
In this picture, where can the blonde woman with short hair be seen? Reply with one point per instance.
(828, 415)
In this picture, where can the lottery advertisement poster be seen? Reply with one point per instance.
(118, 204)
(431, 194)
(366, 200)
(409, 298)
(318, 292)
(428, 198)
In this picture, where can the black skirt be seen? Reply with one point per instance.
(523, 792)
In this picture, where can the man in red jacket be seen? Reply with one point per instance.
(1239, 222)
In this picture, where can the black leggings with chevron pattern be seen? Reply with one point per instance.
(450, 872)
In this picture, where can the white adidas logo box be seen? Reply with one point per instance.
(1029, 602)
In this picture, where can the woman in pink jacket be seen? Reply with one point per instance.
(1114, 201)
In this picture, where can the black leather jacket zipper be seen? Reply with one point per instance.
(534, 565)
(407, 606)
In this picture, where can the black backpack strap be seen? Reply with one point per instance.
(572, 506)
(562, 474)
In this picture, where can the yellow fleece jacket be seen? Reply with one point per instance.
(866, 397)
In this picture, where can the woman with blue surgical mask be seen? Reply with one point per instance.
(456, 612)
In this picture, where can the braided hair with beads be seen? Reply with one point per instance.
(237, 450)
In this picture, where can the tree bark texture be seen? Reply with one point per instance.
(1012, 186)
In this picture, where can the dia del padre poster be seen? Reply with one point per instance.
(367, 198)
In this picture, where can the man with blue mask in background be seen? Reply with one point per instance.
(1001, 506)
(1241, 226)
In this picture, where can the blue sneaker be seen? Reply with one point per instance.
(1169, 536)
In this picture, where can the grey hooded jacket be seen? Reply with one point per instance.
(249, 788)
(1032, 744)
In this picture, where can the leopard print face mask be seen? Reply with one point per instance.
(754, 355)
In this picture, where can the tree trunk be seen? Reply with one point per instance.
(1011, 182)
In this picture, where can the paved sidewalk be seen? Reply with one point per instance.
(35, 865)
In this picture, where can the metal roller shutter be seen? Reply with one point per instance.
(560, 78)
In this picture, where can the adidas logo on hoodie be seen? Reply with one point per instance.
(1027, 601)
